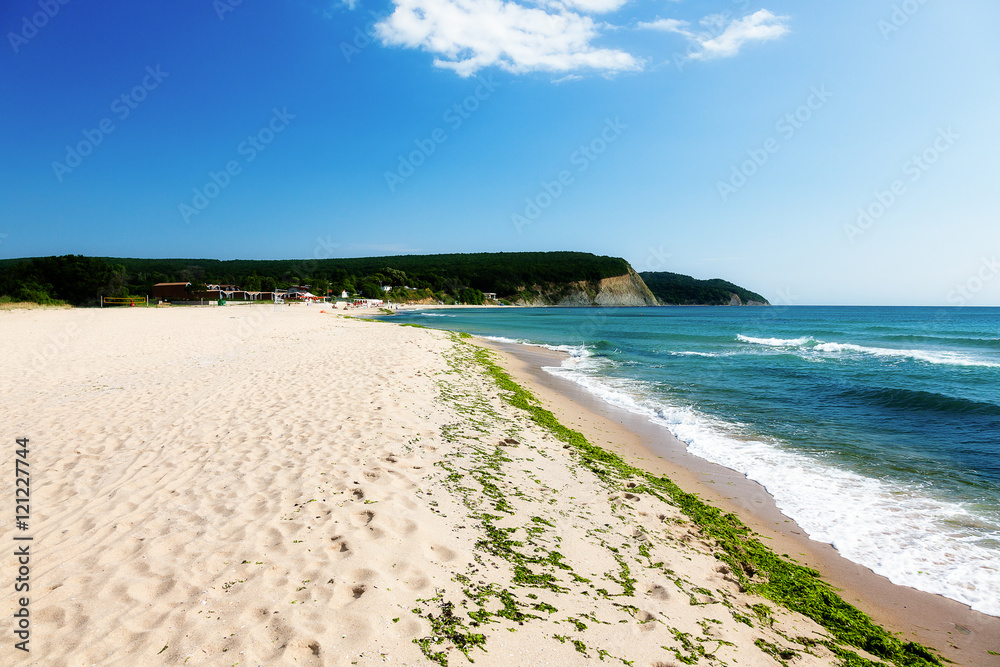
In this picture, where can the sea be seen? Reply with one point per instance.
(877, 429)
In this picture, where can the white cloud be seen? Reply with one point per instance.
(761, 26)
(556, 36)
(667, 25)
(590, 6)
(722, 39)
(468, 35)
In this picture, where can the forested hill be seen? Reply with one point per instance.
(676, 289)
(505, 273)
(515, 277)
(526, 278)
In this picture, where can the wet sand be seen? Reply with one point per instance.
(960, 634)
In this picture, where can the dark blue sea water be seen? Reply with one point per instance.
(876, 429)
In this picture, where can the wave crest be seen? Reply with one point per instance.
(810, 345)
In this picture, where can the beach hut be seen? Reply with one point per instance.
(171, 291)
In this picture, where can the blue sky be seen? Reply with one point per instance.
(829, 153)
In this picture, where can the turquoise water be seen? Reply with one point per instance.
(876, 429)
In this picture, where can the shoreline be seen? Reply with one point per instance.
(323, 506)
(957, 632)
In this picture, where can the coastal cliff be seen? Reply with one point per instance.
(627, 289)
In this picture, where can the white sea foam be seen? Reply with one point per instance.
(902, 533)
(694, 354)
(504, 339)
(809, 348)
(774, 342)
(577, 353)
(947, 358)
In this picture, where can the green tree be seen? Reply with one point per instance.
(472, 297)
(73, 278)
(252, 283)
(320, 286)
(370, 289)
(394, 276)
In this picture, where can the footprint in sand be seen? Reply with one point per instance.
(404, 527)
(364, 575)
(361, 519)
(339, 546)
(646, 620)
(353, 586)
(51, 616)
(274, 538)
(416, 582)
(440, 554)
(658, 592)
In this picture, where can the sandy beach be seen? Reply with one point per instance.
(284, 486)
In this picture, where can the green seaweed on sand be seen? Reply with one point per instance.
(521, 544)
(447, 627)
(757, 568)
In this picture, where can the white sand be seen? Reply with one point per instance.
(261, 486)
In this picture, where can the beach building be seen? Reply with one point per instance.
(171, 291)
(181, 292)
(367, 303)
(298, 291)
